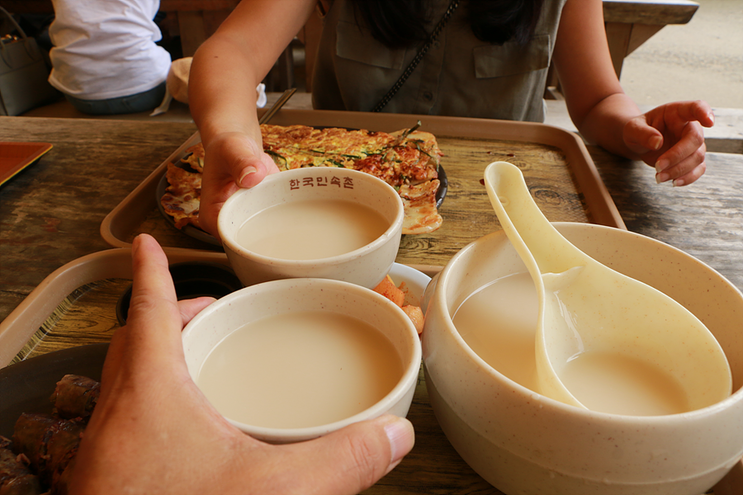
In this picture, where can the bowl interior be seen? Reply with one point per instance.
(308, 184)
(696, 286)
(282, 297)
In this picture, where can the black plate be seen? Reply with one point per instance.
(201, 235)
(192, 279)
(443, 186)
(28, 385)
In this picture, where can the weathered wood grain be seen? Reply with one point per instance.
(466, 210)
(87, 316)
(704, 219)
(50, 214)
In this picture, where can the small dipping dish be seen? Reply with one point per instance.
(294, 359)
(316, 222)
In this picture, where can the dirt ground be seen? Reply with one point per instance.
(699, 60)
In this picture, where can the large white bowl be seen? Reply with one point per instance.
(252, 303)
(524, 443)
(365, 266)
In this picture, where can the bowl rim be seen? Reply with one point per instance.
(394, 228)
(411, 366)
(665, 420)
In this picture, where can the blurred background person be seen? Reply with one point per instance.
(105, 59)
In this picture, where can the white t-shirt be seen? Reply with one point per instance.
(106, 48)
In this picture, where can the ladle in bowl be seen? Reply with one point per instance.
(588, 308)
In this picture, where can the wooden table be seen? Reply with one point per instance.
(50, 214)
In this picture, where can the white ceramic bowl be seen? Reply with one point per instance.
(524, 443)
(279, 297)
(415, 282)
(365, 266)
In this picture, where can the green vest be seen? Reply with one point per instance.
(459, 76)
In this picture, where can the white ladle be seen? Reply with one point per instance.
(586, 306)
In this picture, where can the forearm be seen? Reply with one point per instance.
(229, 65)
(604, 124)
(222, 90)
(597, 104)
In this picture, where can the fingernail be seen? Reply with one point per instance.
(401, 436)
(661, 177)
(711, 115)
(248, 171)
(678, 183)
(138, 240)
(661, 165)
(656, 143)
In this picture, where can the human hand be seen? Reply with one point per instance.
(670, 138)
(153, 431)
(233, 160)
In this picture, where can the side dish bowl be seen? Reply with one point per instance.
(364, 266)
(522, 442)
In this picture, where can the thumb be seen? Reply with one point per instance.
(352, 459)
(244, 158)
(152, 334)
(233, 160)
(640, 137)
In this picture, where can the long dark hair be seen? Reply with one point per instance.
(402, 23)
